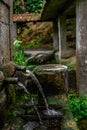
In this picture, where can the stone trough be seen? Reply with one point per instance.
(53, 79)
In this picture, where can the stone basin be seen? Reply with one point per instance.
(50, 68)
(53, 78)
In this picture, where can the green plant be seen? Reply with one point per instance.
(69, 65)
(33, 5)
(31, 67)
(30, 6)
(18, 53)
(19, 56)
(17, 8)
(78, 105)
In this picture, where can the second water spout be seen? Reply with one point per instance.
(32, 100)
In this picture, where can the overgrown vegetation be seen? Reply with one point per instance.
(78, 105)
(19, 57)
(68, 63)
(35, 43)
(21, 6)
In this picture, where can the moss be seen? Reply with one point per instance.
(3, 114)
(8, 69)
(11, 95)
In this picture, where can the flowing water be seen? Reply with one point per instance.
(39, 86)
(47, 112)
(32, 100)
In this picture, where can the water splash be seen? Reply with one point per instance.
(38, 85)
(52, 112)
(32, 99)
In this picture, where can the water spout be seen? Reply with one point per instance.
(23, 87)
(32, 100)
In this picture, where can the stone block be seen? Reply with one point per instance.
(4, 41)
(4, 13)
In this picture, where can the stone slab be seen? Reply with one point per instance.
(53, 9)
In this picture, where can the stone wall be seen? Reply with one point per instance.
(81, 45)
(5, 30)
(6, 37)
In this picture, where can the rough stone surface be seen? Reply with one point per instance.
(5, 30)
(6, 2)
(5, 50)
(52, 78)
(81, 48)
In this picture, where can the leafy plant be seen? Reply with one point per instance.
(30, 6)
(33, 5)
(17, 7)
(71, 67)
(78, 105)
(19, 54)
(68, 64)
(19, 57)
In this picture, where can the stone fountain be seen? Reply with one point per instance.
(53, 82)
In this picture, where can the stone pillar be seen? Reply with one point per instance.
(81, 45)
(56, 40)
(5, 29)
(55, 35)
(62, 36)
(11, 30)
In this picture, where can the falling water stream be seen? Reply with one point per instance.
(48, 111)
(39, 87)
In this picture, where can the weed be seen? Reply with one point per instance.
(18, 54)
(78, 105)
(19, 57)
